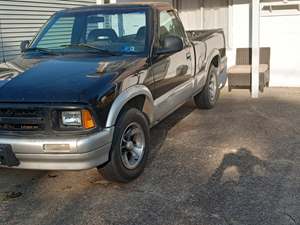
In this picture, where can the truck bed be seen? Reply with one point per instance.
(202, 35)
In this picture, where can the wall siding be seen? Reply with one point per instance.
(22, 19)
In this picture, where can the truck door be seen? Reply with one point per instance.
(172, 73)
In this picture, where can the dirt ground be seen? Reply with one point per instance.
(238, 164)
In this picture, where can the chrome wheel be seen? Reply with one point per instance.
(132, 145)
(212, 88)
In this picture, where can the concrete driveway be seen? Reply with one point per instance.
(236, 164)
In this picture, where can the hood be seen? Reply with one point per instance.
(77, 78)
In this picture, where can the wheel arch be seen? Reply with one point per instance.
(213, 59)
(137, 94)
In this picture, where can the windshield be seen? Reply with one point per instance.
(106, 31)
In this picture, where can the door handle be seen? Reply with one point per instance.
(188, 56)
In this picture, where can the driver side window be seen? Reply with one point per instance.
(169, 25)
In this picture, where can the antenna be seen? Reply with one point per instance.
(2, 42)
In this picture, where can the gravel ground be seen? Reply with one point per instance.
(238, 164)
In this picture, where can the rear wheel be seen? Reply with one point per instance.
(209, 96)
(130, 147)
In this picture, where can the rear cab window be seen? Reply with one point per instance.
(169, 24)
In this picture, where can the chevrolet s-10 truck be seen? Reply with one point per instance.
(86, 90)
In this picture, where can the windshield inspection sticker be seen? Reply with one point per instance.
(128, 49)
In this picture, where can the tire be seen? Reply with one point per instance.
(130, 148)
(209, 96)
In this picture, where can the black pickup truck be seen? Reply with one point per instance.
(86, 90)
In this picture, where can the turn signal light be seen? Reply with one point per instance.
(87, 120)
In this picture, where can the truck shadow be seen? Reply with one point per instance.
(159, 133)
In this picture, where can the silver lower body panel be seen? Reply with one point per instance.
(79, 161)
(84, 152)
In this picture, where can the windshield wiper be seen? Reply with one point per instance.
(44, 50)
(83, 45)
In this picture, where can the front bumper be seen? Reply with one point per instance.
(81, 153)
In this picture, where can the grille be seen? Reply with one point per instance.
(22, 119)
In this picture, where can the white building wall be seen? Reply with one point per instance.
(239, 22)
(191, 13)
(282, 34)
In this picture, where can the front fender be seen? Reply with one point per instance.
(125, 97)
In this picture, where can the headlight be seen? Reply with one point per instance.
(71, 118)
(81, 118)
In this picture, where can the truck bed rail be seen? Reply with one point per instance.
(202, 35)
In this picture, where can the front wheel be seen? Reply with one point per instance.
(209, 96)
(130, 148)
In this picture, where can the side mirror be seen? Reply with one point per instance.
(24, 45)
(172, 44)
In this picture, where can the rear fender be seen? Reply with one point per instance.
(215, 52)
